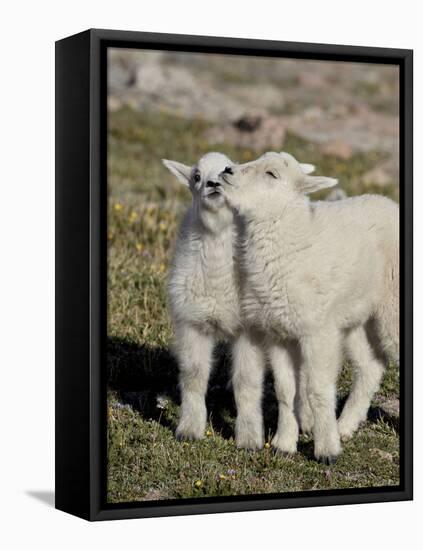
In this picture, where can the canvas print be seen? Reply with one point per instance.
(253, 275)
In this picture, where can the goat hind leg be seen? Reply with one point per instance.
(368, 372)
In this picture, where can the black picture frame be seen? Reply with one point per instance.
(81, 271)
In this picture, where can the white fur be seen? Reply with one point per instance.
(321, 274)
(204, 304)
(202, 289)
(247, 380)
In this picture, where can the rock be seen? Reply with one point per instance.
(382, 454)
(152, 78)
(389, 406)
(155, 494)
(371, 132)
(338, 111)
(311, 79)
(263, 97)
(377, 176)
(313, 113)
(340, 149)
(121, 76)
(113, 103)
(248, 123)
(342, 108)
(383, 174)
(153, 82)
(250, 131)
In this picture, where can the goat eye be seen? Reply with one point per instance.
(271, 174)
(197, 178)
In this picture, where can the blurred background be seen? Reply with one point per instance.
(250, 104)
(342, 117)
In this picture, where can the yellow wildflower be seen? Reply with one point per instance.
(267, 445)
(133, 216)
(139, 247)
(118, 207)
(162, 267)
(198, 483)
(162, 226)
(222, 476)
(209, 433)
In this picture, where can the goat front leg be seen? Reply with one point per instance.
(322, 354)
(247, 381)
(284, 375)
(194, 353)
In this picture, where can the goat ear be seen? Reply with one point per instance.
(181, 171)
(307, 168)
(311, 184)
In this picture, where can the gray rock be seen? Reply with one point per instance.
(343, 108)
(255, 131)
(382, 454)
(340, 149)
(389, 406)
(383, 174)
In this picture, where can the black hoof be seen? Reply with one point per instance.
(327, 460)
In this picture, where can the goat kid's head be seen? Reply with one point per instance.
(202, 179)
(269, 182)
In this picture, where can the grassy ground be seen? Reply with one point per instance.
(145, 462)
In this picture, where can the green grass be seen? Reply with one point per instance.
(144, 459)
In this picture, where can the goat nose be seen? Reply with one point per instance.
(212, 184)
(228, 170)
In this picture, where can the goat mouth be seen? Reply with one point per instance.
(212, 194)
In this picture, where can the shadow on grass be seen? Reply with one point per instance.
(142, 377)
(376, 413)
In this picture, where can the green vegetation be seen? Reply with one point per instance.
(145, 461)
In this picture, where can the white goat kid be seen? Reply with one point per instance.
(321, 274)
(204, 303)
